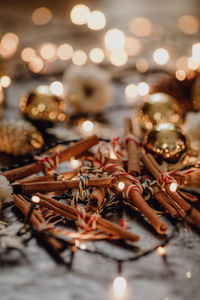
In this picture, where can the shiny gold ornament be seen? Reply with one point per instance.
(159, 108)
(19, 138)
(166, 142)
(43, 107)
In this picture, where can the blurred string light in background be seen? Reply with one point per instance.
(79, 14)
(114, 39)
(188, 24)
(79, 57)
(8, 44)
(41, 16)
(141, 27)
(65, 51)
(96, 55)
(161, 56)
(132, 46)
(28, 54)
(48, 51)
(96, 20)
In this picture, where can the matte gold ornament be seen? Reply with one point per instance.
(19, 138)
(43, 107)
(159, 108)
(166, 142)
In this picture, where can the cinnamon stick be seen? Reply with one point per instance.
(102, 223)
(71, 151)
(155, 170)
(50, 177)
(53, 186)
(136, 198)
(96, 198)
(132, 149)
(36, 219)
(163, 199)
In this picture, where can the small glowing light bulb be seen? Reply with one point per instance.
(82, 246)
(196, 52)
(75, 163)
(114, 39)
(119, 286)
(189, 274)
(121, 185)
(162, 250)
(88, 126)
(173, 187)
(142, 88)
(79, 14)
(5, 81)
(161, 56)
(131, 90)
(112, 154)
(35, 199)
(56, 88)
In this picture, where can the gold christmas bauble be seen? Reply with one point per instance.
(159, 108)
(18, 137)
(42, 107)
(166, 142)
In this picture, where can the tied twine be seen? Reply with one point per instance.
(117, 147)
(131, 137)
(50, 163)
(147, 186)
(86, 228)
(135, 183)
(164, 179)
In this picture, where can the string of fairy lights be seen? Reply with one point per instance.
(119, 283)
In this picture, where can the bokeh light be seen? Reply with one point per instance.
(96, 55)
(131, 90)
(96, 20)
(56, 88)
(114, 39)
(141, 26)
(79, 57)
(161, 56)
(180, 75)
(132, 46)
(36, 64)
(48, 51)
(196, 52)
(8, 45)
(192, 64)
(118, 57)
(119, 286)
(65, 51)
(142, 65)
(142, 88)
(79, 14)
(41, 16)
(87, 126)
(188, 24)
(5, 81)
(28, 54)
(182, 63)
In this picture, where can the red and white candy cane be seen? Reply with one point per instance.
(50, 162)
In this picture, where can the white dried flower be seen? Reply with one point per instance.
(5, 190)
(88, 88)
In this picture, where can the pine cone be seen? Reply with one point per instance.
(19, 137)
